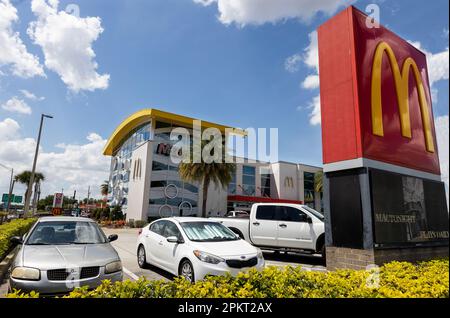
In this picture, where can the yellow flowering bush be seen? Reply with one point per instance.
(393, 280)
(17, 227)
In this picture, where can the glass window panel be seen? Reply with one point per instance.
(247, 170)
(248, 180)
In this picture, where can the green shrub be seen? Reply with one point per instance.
(140, 223)
(395, 280)
(116, 214)
(17, 227)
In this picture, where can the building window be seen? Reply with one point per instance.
(265, 183)
(309, 189)
(248, 180)
(232, 185)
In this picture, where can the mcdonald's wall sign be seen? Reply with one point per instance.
(375, 96)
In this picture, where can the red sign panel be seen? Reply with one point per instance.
(375, 96)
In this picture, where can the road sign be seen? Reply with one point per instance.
(17, 198)
(57, 211)
(58, 200)
(5, 198)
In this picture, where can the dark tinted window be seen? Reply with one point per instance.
(293, 215)
(171, 230)
(157, 227)
(266, 212)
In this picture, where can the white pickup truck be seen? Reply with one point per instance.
(280, 226)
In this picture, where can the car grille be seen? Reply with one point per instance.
(57, 274)
(237, 263)
(62, 274)
(88, 272)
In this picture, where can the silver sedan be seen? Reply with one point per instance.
(61, 253)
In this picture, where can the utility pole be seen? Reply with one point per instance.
(11, 186)
(88, 196)
(30, 183)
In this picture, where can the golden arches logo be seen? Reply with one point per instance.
(401, 79)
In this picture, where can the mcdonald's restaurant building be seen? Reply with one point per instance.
(145, 182)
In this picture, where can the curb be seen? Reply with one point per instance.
(6, 263)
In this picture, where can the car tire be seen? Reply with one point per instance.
(323, 253)
(141, 257)
(187, 270)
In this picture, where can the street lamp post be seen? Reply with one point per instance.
(11, 184)
(30, 183)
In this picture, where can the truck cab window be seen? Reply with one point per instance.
(293, 215)
(266, 212)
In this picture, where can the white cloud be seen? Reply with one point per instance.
(75, 167)
(13, 52)
(16, 105)
(9, 128)
(292, 63)
(314, 109)
(442, 136)
(257, 12)
(311, 82)
(31, 96)
(66, 41)
(205, 2)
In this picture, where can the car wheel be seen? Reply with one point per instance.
(187, 271)
(141, 258)
(323, 252)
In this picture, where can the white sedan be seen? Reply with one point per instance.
(195, 247)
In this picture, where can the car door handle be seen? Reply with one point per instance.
(282, 225)
(256, 223)
(160, 243)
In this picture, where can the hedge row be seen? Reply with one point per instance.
(16, 227)
(394, 280)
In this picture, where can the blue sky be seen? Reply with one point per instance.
(182, 56)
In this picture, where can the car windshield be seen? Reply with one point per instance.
(208, 232)
(314, 212)
(66, 233)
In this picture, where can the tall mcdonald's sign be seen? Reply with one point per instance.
(383, 195)
(375, 96)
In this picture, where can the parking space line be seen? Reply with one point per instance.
(130, 273)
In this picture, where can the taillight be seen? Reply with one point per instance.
(140, 232)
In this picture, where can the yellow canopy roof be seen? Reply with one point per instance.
(145, 115)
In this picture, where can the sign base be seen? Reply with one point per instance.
(375, 216)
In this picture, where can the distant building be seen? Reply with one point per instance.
(145, 182)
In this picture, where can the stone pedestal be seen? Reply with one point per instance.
(375, 217)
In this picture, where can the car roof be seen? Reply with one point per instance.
(64, 218)
(281, 204)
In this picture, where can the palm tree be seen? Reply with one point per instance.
(205, 173)
(25, 177)
(318, 182)
(104, 188)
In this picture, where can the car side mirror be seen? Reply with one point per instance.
(309, 219)
(16, 240)
(174, 239)
(113, 237)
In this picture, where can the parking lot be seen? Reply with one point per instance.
(126, 247)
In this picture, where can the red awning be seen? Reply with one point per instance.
(243, 198)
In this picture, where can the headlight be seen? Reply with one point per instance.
(113, 267)
(259, 254)
(26, 273)
(208, 258)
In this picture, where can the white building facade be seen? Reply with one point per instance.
(145, 182)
